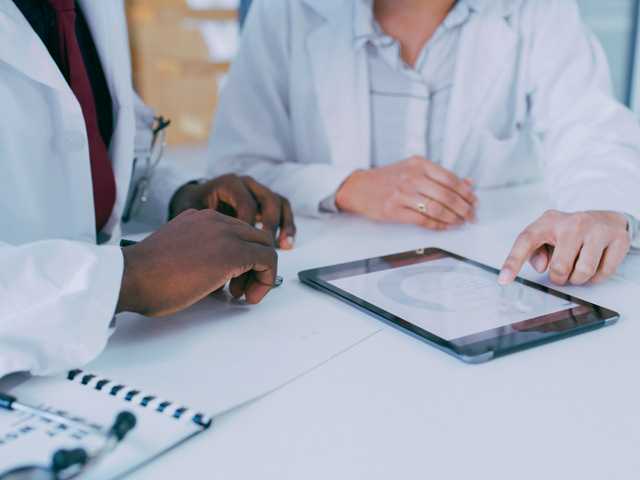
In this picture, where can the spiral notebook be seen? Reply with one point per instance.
(94, 401)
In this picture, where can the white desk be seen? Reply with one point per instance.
(389, 406)
(393, 407)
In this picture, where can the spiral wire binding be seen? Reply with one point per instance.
(139, 398)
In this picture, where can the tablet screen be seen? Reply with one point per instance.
(450, 298)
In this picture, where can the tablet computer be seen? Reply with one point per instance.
(456, 304)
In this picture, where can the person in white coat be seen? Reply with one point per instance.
(399, 109)
(67, 143)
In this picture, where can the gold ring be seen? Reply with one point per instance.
(422, 208)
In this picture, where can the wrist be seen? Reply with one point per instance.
(129, 287)
(345, 194)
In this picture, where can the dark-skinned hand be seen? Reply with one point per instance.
(244, 199)
(192, 256)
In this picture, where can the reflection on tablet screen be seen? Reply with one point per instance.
(450, 298)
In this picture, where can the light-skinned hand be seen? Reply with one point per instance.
(575, 248)
(394, 193)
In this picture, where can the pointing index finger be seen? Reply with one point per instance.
(525, 245)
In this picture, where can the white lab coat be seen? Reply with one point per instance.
(531, 98)
(58, 288)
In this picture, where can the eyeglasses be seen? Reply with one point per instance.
(142, 186)
(68, 464)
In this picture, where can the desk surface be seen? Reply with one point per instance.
(389, 406)
(393, 407)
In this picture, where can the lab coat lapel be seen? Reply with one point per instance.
(108, 26)
(21, 48)
(342, 85)
(487, 50)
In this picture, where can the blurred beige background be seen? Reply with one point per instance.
(181, 51)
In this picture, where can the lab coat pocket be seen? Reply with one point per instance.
(493, 161)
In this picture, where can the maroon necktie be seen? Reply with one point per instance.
(74, 69)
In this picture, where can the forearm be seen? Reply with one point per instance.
(129, 289)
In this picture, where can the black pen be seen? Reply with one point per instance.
(129, 243)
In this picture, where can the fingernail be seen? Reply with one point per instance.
(287, 243)
(505, 277)
(259, 225)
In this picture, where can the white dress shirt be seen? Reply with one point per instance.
(409, 104)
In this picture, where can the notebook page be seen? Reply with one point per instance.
(25, 439)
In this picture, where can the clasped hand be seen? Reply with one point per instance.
(244, 199)
(414, 191)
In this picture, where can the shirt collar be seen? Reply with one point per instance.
(366, 28)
